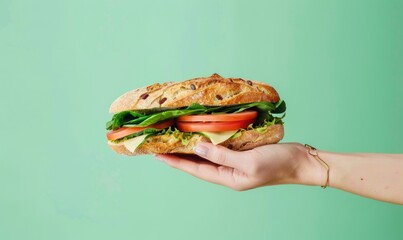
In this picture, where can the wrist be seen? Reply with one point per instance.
(313, 167)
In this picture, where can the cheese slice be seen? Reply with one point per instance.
(133, 143)
(219, 137)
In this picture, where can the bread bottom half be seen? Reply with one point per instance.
(167, 143)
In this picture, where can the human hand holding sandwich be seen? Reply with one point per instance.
(377, 176)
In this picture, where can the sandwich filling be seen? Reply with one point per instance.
(218, 123)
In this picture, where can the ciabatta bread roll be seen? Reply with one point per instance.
(213, 91)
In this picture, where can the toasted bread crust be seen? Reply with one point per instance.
(166, 143)
(214, 90)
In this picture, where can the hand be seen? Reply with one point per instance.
(262, 166)
(377, 176)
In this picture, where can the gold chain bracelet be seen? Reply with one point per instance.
(314, 153)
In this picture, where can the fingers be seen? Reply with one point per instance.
(221, 155)
(201, 169)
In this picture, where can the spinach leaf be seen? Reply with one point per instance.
(120, 118)
(147, 131)
(280, 107)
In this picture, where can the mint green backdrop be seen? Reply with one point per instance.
(338, 65)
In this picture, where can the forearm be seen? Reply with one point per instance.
(377, 176)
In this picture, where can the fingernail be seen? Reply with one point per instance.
(201, 150)
(159, 158)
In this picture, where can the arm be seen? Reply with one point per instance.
(378, 176)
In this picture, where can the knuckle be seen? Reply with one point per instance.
(239, 188)
(219, 156)
(254, 167)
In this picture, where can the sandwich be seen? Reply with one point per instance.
(173, 117)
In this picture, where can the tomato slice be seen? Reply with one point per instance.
(125, 131)
(225, 117)
(213, 126)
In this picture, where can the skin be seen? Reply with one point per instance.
(372, 175)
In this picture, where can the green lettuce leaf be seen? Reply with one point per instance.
(138, 119)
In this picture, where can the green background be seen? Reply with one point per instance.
(338, 65)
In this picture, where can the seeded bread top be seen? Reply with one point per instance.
(214, 90)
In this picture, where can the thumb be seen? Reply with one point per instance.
(221, 155)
